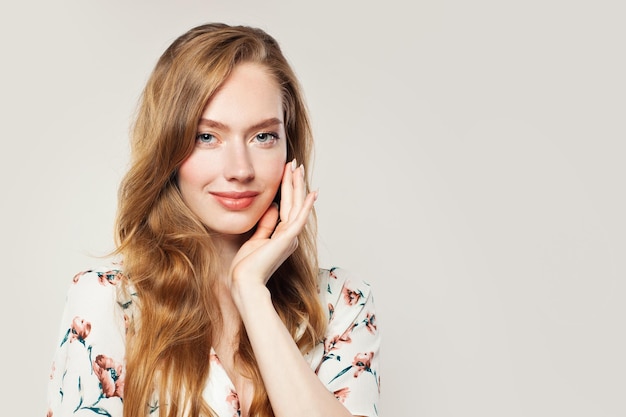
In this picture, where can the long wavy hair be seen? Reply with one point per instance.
(167, 252)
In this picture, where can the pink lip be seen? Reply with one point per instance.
(235, 200)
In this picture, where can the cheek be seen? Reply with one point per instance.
(273, 171)
(191, 172)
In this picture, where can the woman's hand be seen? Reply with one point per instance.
(292, 386)
(271, 244)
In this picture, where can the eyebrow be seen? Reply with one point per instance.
(272, 121)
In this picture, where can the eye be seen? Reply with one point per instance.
(205, 138)
(266, 137)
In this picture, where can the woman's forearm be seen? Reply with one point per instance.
(291, 384)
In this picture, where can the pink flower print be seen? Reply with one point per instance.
(77, 276)
(331, 273)
(79, 329)
(233, 399)
(330, 343)
(362, 362)
(370, 322)
(351, 297)
(54, 368)
(112, 277)
(49, 413)
(334, 342)
(342, 394)
(111, 376)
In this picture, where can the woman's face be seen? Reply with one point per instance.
(236, 167)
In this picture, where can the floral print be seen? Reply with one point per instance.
(347, 360)
(233, 399)
(111, 376)
(88, 372)
(87, 376)
(342, 393)
(79, 330)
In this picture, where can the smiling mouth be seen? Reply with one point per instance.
(232, 200)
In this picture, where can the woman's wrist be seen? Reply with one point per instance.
(250, 296)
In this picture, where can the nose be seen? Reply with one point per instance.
(238, 163)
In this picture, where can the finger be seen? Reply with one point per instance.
(307, 207)
(299, 190)
(286, 190)
(300, 218)
(267, 223)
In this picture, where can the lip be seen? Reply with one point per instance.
(235, 200)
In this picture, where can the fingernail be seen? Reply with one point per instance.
(317, 193)
(302, 170)
(294, 165)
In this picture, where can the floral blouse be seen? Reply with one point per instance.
(87, 377)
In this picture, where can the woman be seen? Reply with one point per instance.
(218, 307)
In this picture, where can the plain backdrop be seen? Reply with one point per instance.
(470, 158)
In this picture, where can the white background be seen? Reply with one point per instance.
(470, 160)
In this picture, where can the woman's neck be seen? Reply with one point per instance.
(227, 247)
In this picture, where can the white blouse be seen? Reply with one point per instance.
(87, 377)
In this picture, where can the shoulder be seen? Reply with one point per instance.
(97, 294)
(93, 315)
(96, 284)
(105, 276)
(88, 367)
(346, 296)
(340, 285)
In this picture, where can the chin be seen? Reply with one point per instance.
(232, 229)
(232, 223)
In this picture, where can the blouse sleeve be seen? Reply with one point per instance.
(349, 363)
(87, 377)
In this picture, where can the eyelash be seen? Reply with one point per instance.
(201, 136)
(272, 137)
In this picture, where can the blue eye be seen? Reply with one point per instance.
(266, 137)
(205, 138)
